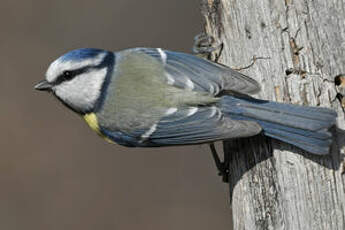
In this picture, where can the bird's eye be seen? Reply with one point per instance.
(67, 75)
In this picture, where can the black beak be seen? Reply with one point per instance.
(43, 86)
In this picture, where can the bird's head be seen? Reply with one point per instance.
(77, 78)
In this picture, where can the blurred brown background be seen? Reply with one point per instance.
(55, 173)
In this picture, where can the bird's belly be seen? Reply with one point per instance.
(92, 121)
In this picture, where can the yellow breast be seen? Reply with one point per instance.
(91, 120)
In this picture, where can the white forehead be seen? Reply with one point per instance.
(60, 65)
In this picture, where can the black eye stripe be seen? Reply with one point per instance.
(68, 75)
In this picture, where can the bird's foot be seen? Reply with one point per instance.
(204, 46)
(223, 167)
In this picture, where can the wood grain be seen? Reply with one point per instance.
(274, 185)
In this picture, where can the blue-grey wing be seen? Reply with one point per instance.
(194, 73)
(137, 121)
(190, 125)
(200, 125)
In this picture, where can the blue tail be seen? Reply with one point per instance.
(303, 126)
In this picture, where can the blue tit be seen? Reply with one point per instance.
(146, 97)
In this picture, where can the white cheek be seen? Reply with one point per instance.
(82, 92)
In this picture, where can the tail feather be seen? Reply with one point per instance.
(310, 144)
(302, 126)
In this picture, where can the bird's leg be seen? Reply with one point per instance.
(223, 167)
(204, 46)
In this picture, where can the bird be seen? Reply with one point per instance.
(152, 97)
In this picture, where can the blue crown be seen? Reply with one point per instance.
(81, 54)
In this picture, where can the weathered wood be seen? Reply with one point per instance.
(274, 185)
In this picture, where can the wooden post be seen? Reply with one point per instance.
(302, 44)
